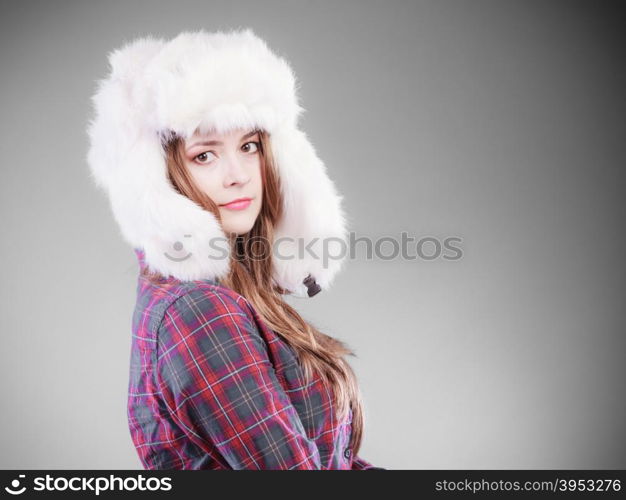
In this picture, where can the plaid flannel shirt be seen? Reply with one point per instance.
(212, 387)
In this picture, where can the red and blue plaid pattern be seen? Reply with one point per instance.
(212, 387)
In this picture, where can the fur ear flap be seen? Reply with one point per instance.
(179, 237)
(311, 238)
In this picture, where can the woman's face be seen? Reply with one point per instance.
(227, 167)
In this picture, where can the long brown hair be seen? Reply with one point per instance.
(317, 352)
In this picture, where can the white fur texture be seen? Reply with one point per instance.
(220, 81)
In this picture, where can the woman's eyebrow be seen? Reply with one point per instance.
(219, 143)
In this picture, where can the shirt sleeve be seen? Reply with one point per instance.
(360, 464)
(220, 386)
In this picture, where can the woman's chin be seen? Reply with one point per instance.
(238, 228)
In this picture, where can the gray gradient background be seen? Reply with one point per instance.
(495, 121)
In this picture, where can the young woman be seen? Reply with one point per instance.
(227, 207)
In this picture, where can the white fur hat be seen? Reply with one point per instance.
(220, 81)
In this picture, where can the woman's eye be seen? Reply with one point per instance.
(202, 157)
(256, 145)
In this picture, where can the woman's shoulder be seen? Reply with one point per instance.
(207, 296)
(207, 315)
(186, 305)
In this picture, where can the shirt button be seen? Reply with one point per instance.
(347, 453)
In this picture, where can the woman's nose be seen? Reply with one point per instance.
(235, 172)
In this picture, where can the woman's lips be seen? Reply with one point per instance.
(241, 204)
